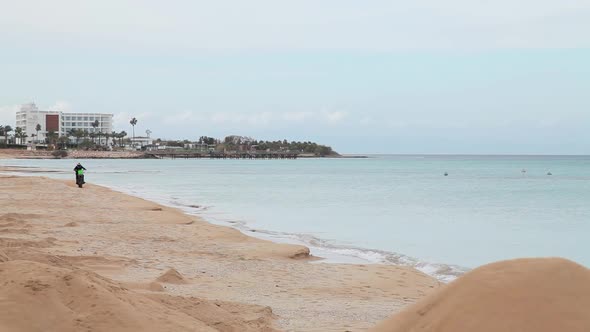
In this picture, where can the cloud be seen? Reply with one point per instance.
(255, 119)
(181, 117)
(259, 119)
(334, 116)
(297, 116)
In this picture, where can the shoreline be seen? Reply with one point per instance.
(328, 251)
(357, 295)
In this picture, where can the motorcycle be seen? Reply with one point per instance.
(80, 180)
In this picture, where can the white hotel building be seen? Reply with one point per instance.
(30, 116)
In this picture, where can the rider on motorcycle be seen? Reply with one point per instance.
(79, 169)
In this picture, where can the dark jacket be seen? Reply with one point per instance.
(78, 167)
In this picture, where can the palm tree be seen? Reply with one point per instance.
(78, 133)
(63, 141)
(121, 136)
(2, 134)
(37, 129)
(95, 124)
(69, 134)
(7, 129)
(115, 136)
(133, 122)
(51, 137)
(18, 132)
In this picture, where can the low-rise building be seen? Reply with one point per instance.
(138, 141)
(29, 116)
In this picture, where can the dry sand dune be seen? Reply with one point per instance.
(41, 297)
(524, 295)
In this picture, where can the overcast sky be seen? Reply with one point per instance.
(422, 76)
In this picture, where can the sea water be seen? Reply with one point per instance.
(383, 209)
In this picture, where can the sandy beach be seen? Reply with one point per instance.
(295, 166)
(95, 259)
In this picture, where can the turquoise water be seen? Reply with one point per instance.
(388, 209)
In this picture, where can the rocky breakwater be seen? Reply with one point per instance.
(81, 154)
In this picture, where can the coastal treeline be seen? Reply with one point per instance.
(84, 139)
(97, 140)
(302, 147)
(76, 138)
(235, 143)
(245, 143)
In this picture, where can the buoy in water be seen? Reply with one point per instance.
(446, 174)
(549, 173)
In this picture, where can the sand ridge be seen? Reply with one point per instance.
(172, 277)
(41, 297)
(526, 295)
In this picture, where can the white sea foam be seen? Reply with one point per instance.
(329, 250)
